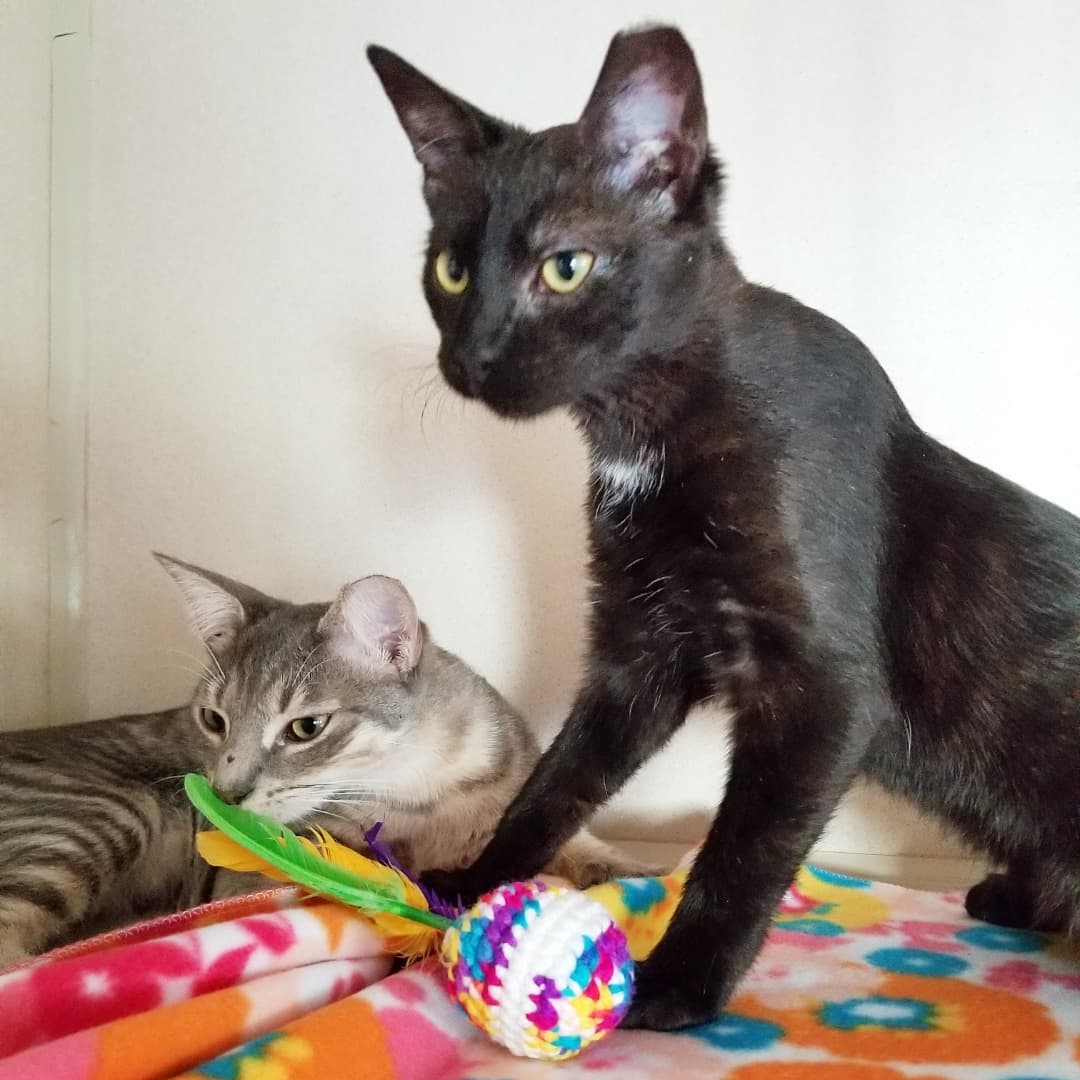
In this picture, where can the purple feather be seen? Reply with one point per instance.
(381, 852)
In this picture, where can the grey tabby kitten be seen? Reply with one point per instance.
(338, 714)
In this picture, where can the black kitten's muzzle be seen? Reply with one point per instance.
(468, 371)
(504, 378)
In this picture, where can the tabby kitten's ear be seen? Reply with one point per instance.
(218, 606)
(446, 133)
(373, 623)
(646, 116)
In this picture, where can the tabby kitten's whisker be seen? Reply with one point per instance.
(166, 779)
(357, 799)
(217, 664)
(301, 676)
(341, 788)
(202, 669)
(308, 676)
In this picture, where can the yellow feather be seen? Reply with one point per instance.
(221, 850)
(403, 936)
(367, 868)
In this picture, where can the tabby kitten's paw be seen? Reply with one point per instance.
(585, 874)
(585, 860)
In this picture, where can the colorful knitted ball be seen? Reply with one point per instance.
(544, 970)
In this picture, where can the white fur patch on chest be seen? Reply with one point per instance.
(626, 479)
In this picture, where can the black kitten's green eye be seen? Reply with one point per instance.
(213, 721)
(566, 270)
(450, 274)
(306, 728)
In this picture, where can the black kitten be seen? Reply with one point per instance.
(769, 526)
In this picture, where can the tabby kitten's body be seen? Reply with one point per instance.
(335, 715)
(769, 528)
(95, 829)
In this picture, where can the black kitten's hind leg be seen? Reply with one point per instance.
(1027, 897)
(1002, 899)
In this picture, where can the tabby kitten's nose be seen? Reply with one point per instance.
(234, 793)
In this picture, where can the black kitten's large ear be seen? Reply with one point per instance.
(647, 114)
(445, 132)
(373, 623)
(219, 607)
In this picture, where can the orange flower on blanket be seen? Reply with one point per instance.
(917, 1019)
(781, 978)
(833, 1070)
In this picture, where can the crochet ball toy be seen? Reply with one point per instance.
(543, 969)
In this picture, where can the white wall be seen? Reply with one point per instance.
(259, 349)
(24, 283)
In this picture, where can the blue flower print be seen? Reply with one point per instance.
(1001, 939)
(899, 1014)
(917, 962)
(734, 1032)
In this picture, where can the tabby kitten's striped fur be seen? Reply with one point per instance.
(339, 715)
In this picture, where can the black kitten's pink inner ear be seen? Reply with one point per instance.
(646, 114)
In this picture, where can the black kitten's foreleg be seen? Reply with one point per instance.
(795, 754)
(615, 725)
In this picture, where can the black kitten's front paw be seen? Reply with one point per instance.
(668, 1008)
(1001, 900)
(664, 1003)
(461, 887)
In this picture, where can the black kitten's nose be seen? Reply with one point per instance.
(474, 366)
(483, 361)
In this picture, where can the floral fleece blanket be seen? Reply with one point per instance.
(858, 981)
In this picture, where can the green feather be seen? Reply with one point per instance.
(280, 847)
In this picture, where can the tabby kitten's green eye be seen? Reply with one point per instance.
(565, 271)
(213, 721)
(306, 728)
(450, 274)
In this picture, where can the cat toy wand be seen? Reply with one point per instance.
(543, 969)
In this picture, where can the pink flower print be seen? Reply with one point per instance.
(59, 998)
(275, 933)
(797, 903)
(932, 936)
(1023, 976)
(82, 991)
(782, 979)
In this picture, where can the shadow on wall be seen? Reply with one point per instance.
(496, 508)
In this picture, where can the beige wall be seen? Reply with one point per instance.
(259, 350)
(24, 281)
